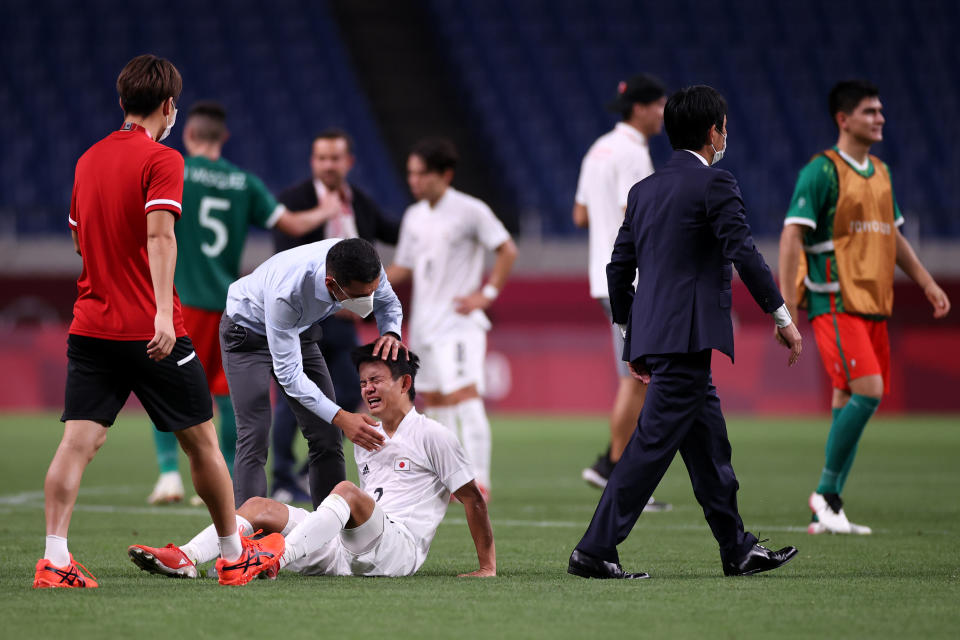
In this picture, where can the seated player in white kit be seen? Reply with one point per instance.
(385, 526)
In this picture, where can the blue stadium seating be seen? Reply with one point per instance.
(283, 76)
(538, 72)
(535, 74)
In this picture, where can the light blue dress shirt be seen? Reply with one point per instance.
(283, 297)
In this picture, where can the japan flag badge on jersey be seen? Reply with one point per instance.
(401, 464)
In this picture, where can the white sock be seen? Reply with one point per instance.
(207, 545)
(447, 416)
(317, 529)
(230, 547)
(56, 551)
(291, 523)
(476, 437)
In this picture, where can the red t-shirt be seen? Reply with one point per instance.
(118, 181)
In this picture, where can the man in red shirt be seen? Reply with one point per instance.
(127, 332)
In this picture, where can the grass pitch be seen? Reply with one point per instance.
(902, 581)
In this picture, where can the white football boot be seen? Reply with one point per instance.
(169, 488)
(830, 516)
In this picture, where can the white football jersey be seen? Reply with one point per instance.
(444, 246)
(615, 162)
(413, 474)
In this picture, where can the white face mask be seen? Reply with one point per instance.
(361, 306)
(718, 155)
(166, 132)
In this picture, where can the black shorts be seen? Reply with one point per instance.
(102, 373)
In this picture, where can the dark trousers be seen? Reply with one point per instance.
(249, 368)
(681, 413)
(338, 340)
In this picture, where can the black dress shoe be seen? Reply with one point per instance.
(587, 566)
(758, 559)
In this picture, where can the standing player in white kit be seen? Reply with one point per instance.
(443, 238)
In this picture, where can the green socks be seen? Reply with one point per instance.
(228, 430)
(168, 449)
(845, 432)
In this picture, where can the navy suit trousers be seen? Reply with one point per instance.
(681, 413)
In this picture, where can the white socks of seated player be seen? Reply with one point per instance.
(475, 436)
(207, 545)
(317, 529)
(56, 551)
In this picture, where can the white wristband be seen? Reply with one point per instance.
(490, 292)
(782, 317)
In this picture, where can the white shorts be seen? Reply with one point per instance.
(452, 363)
(378, 547)
(622, 369)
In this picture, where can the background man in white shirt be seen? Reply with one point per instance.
(615, 162)
(385, 526)
(443, 238)
(270, 328)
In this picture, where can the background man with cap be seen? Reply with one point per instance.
(615, 162)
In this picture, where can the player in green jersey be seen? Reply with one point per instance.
(220, 203)
(838, 249)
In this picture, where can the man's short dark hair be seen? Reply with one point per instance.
(439, 154)
(847, 95)
(145, 82)
(402, 366)
(335, 133)
(208, 119)
(353, 260)
(689, 114)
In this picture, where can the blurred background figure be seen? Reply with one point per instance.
(841, 240)
(614, 163)
(443, 239)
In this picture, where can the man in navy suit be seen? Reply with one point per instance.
(684, 226)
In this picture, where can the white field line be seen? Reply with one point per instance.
(34, 500)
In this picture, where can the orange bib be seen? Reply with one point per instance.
(864, 238)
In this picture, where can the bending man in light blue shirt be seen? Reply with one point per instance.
(270, 328)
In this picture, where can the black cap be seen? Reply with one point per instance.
(643, 88)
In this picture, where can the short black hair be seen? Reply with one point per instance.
(689, 114)
(209, 120)
(335, 133)
(400, 367)
(353, 260)
(439, 154)
(848, 94)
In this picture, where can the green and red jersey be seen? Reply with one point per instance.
(220, 202)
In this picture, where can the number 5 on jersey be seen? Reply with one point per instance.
(208, 221)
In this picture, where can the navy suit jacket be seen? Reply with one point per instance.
(684, 226)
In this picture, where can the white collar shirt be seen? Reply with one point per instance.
(343, 225)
